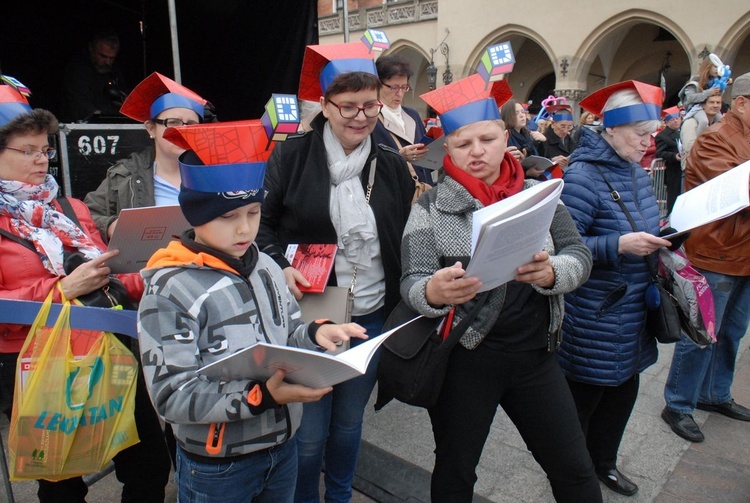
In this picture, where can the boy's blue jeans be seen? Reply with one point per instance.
(332, 428)
(266, 476)
(706, 375)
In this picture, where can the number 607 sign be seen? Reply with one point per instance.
(98, 145)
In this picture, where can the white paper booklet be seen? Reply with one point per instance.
(507, 234)
(713, 200)
(142, 231)
(303, 366)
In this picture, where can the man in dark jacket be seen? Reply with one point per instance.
(559, 142)
(667, 147)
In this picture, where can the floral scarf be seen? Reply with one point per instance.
(34, 218)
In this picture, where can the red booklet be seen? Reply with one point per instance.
(315, 262)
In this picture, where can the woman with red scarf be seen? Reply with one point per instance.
(506, 357)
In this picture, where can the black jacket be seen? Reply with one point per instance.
(666, 147)
(555, 146)
(296, 208)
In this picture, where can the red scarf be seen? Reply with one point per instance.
(509, 182)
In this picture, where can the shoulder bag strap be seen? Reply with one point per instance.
(455, 335)
(68, 211)
(23, 242)
(368, 193)
(616, 198)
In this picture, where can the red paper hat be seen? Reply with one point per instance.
(12, 104)
(467, 101)
(670, 113)
(323, 63)
(157, 93)
(650, 109)
(222, 169)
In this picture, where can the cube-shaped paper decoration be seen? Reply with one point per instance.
(376, 40)
(281, 117)
(496, 61)
(16, 84)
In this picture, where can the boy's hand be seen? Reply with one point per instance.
(283, 392)
(293, 276)
(330, 336)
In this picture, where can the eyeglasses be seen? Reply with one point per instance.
(172, 122)
(351, 111)
(405, 88)
(50, 153)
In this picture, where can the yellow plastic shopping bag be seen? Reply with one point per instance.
(73, 403)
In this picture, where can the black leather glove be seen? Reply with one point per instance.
(676, 240)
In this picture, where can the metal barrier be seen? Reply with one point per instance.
(656, 172)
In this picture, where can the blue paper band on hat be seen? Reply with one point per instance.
(669, 117)
(174, 100)
(223, 177)
(483, 110)
(9, 111)
(338, 66)
(563, 116)
(632, 113)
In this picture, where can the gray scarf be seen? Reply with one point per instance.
(348, 206)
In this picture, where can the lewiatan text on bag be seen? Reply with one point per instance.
(74, 400)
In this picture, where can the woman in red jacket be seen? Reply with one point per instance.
(36, 236)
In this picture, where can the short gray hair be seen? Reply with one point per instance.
(626, 98)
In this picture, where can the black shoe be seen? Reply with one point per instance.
(729, 409)
(618, 482)
(682, 424)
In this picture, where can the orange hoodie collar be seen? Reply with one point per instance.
(176, 254)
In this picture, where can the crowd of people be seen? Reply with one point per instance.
(560, 347)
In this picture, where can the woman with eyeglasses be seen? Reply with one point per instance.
(317, 186)
(150, 177)
(39, 231)
(398, 126)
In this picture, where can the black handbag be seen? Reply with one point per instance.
(413, 363)
(662, 316)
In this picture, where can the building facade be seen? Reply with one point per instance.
(567, 49)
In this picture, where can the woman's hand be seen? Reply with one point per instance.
(538, 272)
(330, 336)
(88, 276)
(560, 160)
(518, 154)
(283, 392)
(111, 228)
(293, 276)
(640, 243)
(537, 136)
(448, 287)
(413, 153)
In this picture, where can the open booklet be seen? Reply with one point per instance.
(712, 200)
(507, 234)
(142, 231)
(537, 162)
(302, 366)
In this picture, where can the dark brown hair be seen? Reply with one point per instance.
(393, 65)
(351, 82)
(34, 122)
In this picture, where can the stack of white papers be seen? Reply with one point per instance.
(507, 234)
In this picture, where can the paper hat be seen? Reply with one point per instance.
(223, 167)
(323, 63)
(467, 101)
(157, 93)
(670, 113)
(12, 100)
(561, 112)
(650, 109)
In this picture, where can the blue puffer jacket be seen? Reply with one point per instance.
(604, 339)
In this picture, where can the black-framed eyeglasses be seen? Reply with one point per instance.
(351, 111)
(405, 88)
(173, 122)
(49, 153)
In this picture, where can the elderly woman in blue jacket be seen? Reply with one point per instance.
(605, 345)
